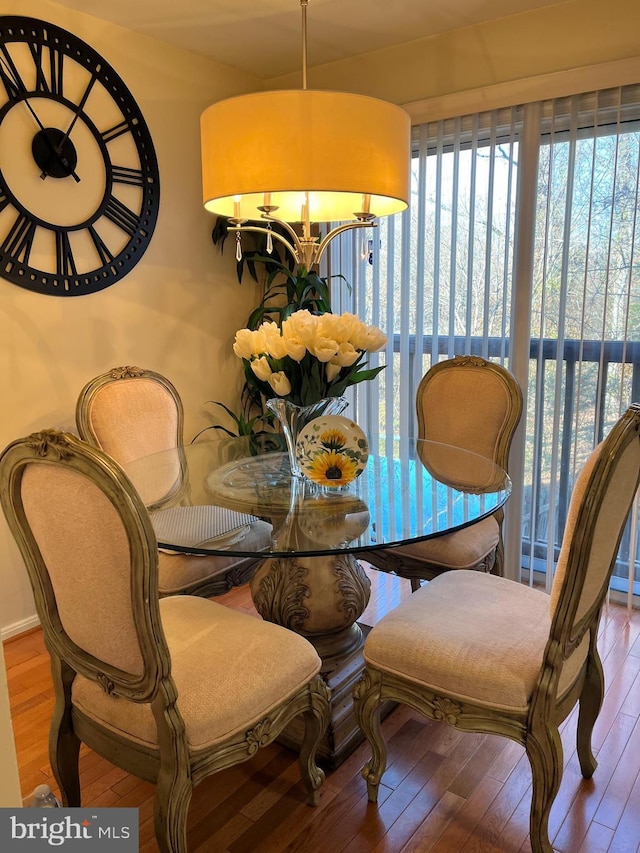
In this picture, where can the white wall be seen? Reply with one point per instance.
(175, 312)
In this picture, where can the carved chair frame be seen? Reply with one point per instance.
(87, 397)
(173, 768)
(218, 583)
(536, 728)
(416, 569)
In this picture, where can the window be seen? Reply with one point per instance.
(521, 245)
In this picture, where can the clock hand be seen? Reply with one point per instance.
(11, 74)
(56, 151)
(34, 114)
(77, 112)
(56, 154)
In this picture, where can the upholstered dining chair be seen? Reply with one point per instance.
(171, 690)
(488, 654)
(130, 412)
(474, 404)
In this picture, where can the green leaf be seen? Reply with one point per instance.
(226, 408)
(287, 311)
(214, 426)
(363, 375)
(220, 231)
(251, 266)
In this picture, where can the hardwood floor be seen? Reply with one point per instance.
(443, 791)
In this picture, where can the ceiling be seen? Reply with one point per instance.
(263, 37)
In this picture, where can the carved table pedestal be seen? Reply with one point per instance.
(321, 597)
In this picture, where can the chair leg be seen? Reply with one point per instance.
(415, 584)
(171, 807)
(64, 744)
(590, 704)
(367, 701)
(496, 565)
(544, 751)
(173, 786)
(496, 561)
(316, 720)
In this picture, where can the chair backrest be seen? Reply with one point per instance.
(130, 412)
(90, 552)
(471, 403)
(599, 507)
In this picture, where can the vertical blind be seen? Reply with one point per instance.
(521, 245)
(585, 306)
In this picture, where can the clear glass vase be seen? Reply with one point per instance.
(293, 418)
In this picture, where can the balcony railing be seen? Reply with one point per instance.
(601, 354)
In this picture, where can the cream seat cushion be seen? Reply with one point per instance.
(462, 549)
(475, 637)
(179, 572)
(230, 670)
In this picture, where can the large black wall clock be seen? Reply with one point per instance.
(79, 183)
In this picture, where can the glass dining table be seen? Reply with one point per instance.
(207, 497)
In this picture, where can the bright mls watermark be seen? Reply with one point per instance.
(81, 830)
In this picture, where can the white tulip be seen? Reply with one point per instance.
(375, 339)
(243, 343)
(259, 341)
(369, 338)
(329, 326)
(347, 355)
(276, 345)
(280, 383)
(347, 325)
(332, 370)
(324, 349)
(294, 346)
(301, 325)
(261, 368)
(358, 334)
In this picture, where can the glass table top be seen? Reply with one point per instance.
(211, 496)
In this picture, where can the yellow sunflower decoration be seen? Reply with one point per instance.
(332, 469)
(333, 439)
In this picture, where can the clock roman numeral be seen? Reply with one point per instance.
(65, 263)
(101, 247)
(50, 80)
(123, 175)
(4, 198)
(118, 129)
(19, 241)
(11, 79)
(122, 216)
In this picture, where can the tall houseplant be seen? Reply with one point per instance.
(286, 288)
(296, 353)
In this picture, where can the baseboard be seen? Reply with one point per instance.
(19, 627)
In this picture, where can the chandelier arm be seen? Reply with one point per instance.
(308, 252)
(334, 233)
(295, 239)
(295, 250)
